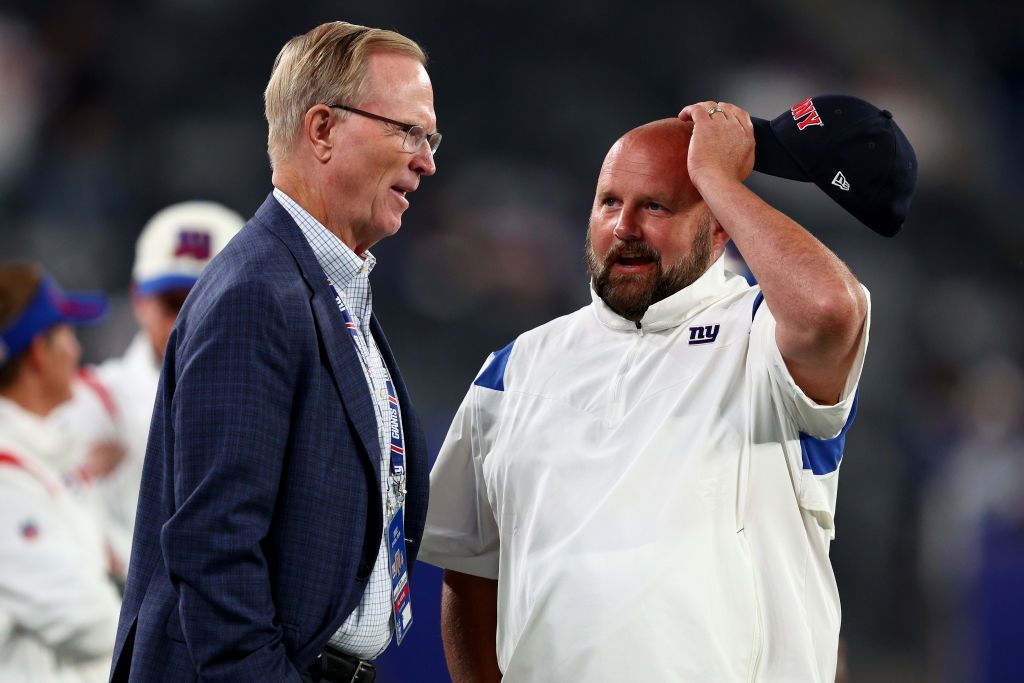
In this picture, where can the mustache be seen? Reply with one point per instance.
(638, 249)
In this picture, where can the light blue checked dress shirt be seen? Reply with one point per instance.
(367, 631)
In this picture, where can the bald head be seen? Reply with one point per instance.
(672, 132)
(654, 153)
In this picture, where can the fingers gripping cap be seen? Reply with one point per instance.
(850, 149)
(177, 243)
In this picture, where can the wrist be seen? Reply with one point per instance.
(713, 179)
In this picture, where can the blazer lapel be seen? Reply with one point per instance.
(345, 366)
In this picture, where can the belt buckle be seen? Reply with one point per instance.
(361, 668)
(339, 667)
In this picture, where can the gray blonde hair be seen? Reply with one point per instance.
(328, 65)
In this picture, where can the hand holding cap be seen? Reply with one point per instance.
(850, 149)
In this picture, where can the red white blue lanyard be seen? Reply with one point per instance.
(401, 601)
(395, 416)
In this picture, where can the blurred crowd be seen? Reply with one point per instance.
(112, 111)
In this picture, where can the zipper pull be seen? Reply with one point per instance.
(639, 328)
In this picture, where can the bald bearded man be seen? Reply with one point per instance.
(645, 489)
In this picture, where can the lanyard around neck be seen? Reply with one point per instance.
(395, 417)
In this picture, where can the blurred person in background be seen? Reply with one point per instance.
(109, 414)
(645, 489)
(285, 485)
(972, 529)
(58, 604)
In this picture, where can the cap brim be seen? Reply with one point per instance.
(166, 283)
(770, 156)
(82, 308)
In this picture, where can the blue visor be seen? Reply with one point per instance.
(167, 283)
(50, 306)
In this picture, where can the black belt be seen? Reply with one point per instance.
(334, 666)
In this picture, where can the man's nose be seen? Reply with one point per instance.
(626, 228)
(423, 160)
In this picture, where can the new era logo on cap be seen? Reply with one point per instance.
(841, 182)
(817, 136)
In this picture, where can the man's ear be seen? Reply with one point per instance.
(316, 131)
(719, 238)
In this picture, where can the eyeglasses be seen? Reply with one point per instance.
(415, 135)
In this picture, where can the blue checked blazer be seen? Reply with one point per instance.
(259, 516)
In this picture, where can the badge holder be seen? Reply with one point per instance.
(401, 603)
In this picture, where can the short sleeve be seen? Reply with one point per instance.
(813, 419)
(461, 532)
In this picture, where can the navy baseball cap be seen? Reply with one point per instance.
(49, 306)
(850, 148)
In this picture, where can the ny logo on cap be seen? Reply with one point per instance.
(193, 243)
(806, 108)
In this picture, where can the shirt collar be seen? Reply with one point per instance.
(339, 262)
(671, 311)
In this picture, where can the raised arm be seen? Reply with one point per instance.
(469, 622)
(818, 304)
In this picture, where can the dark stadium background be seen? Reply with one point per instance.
(111, 110)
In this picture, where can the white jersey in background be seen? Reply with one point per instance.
(113, 401)
(656, 500)
(58, 608)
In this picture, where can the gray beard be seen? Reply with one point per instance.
(630, 295)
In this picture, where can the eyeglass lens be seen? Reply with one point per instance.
(416, 137)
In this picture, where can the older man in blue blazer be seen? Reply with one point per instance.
(285, 483)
